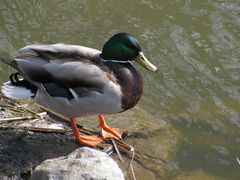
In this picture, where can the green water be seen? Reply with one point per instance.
(195, 44)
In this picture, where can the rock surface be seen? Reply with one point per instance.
(83, 163)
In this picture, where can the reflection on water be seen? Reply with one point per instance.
(196, 45)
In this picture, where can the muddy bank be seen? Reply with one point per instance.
(22, 150)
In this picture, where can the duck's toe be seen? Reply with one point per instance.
(89, 140)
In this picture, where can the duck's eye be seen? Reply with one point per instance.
(130, 46)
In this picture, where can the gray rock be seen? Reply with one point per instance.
(83, 163)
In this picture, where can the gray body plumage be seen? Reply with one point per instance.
(92, 86)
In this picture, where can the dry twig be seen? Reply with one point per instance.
(116, 148)
(131, 165)
(36, 129)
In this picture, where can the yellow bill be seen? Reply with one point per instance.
(141, 59)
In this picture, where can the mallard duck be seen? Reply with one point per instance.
(77, 81)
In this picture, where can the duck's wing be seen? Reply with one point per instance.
(63, 67)
(60, 51)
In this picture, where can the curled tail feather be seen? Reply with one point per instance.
(16, 88)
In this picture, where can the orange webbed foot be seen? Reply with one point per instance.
(110, 132)
(86, 140)
(89, 140)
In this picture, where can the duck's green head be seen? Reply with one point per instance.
(124, 47)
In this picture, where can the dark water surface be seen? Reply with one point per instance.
(195, 44)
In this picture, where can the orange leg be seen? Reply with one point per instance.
(108, 132)
(86, 140)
